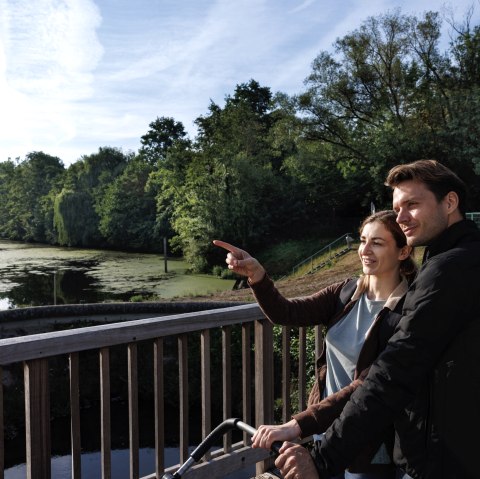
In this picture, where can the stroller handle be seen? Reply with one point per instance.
(207, 443)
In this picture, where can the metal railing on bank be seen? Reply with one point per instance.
(324, 256)
(474, 216)
(33, 356)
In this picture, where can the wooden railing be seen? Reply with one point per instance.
(35, 351)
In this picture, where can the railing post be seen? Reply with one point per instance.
(286, 373)
(227, 382)
(133, 410)
(37, 418)
(75, 416)
(302, 361)
(2, 438)
(205, 365)
(105, 419)
(159, 406)
(246, 378)
(183, 395)
(263, 378)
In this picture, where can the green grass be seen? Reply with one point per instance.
(279, 259)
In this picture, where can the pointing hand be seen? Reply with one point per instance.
(241, 262)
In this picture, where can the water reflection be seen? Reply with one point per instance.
(38, 275)
(91, 468)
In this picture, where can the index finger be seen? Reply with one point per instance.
(227, 246)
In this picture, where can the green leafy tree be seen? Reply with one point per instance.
(380, 99)
(78, 206)
(27, 186)
(128, 210)
(231, 186)
(163, 133)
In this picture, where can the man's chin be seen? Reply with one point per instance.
(413, 241)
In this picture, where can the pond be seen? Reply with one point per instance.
(37, 275)
(91, 466)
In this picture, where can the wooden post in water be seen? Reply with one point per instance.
(54, 288)
(165, 253)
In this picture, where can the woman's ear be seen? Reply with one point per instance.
(405, 252)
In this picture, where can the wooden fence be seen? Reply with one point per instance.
(35, 351)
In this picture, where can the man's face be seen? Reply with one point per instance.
(421, 217)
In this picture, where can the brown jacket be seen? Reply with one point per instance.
(322, 308)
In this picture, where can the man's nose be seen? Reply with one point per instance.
(402, 216)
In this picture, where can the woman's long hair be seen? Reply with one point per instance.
(388, 218)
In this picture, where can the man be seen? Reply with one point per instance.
(427, 381)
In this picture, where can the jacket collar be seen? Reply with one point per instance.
(450, 238)
(395, 296)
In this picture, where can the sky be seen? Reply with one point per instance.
(76, 75)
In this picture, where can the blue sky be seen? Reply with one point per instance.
(76, 75)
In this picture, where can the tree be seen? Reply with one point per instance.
(78, 206)
(27, 186)
(232, 185)
(163, 133)
(127, 212)
(384, 98)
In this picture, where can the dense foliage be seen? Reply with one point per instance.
(267, 167)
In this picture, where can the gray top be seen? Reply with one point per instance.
(345, 340)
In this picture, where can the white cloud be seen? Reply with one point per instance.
(76, 75)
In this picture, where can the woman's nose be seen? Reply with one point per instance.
(366, 247)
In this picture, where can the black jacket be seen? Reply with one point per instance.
(427, 381)
(327, 307)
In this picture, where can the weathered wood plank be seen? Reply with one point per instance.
(227, 382)
(183, 394)
(75, 416)
(302, 371)
(105, 426)
(96, 337)
(133, 411)
(263, 378)
(2, 436)
(223, 464)
(286, 375)
(37, 419)
(246, 378)
(159, 406)
(205, 373)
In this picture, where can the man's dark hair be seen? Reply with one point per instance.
(439, 179)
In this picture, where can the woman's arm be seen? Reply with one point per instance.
(317, 418)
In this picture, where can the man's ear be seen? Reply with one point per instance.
(451, 201)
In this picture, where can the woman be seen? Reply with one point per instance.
(359, 321)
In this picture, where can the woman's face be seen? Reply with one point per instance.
(378, 251)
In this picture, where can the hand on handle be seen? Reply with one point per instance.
(266, 436)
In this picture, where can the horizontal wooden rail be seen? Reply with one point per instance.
(256, 379)
(42, 345)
